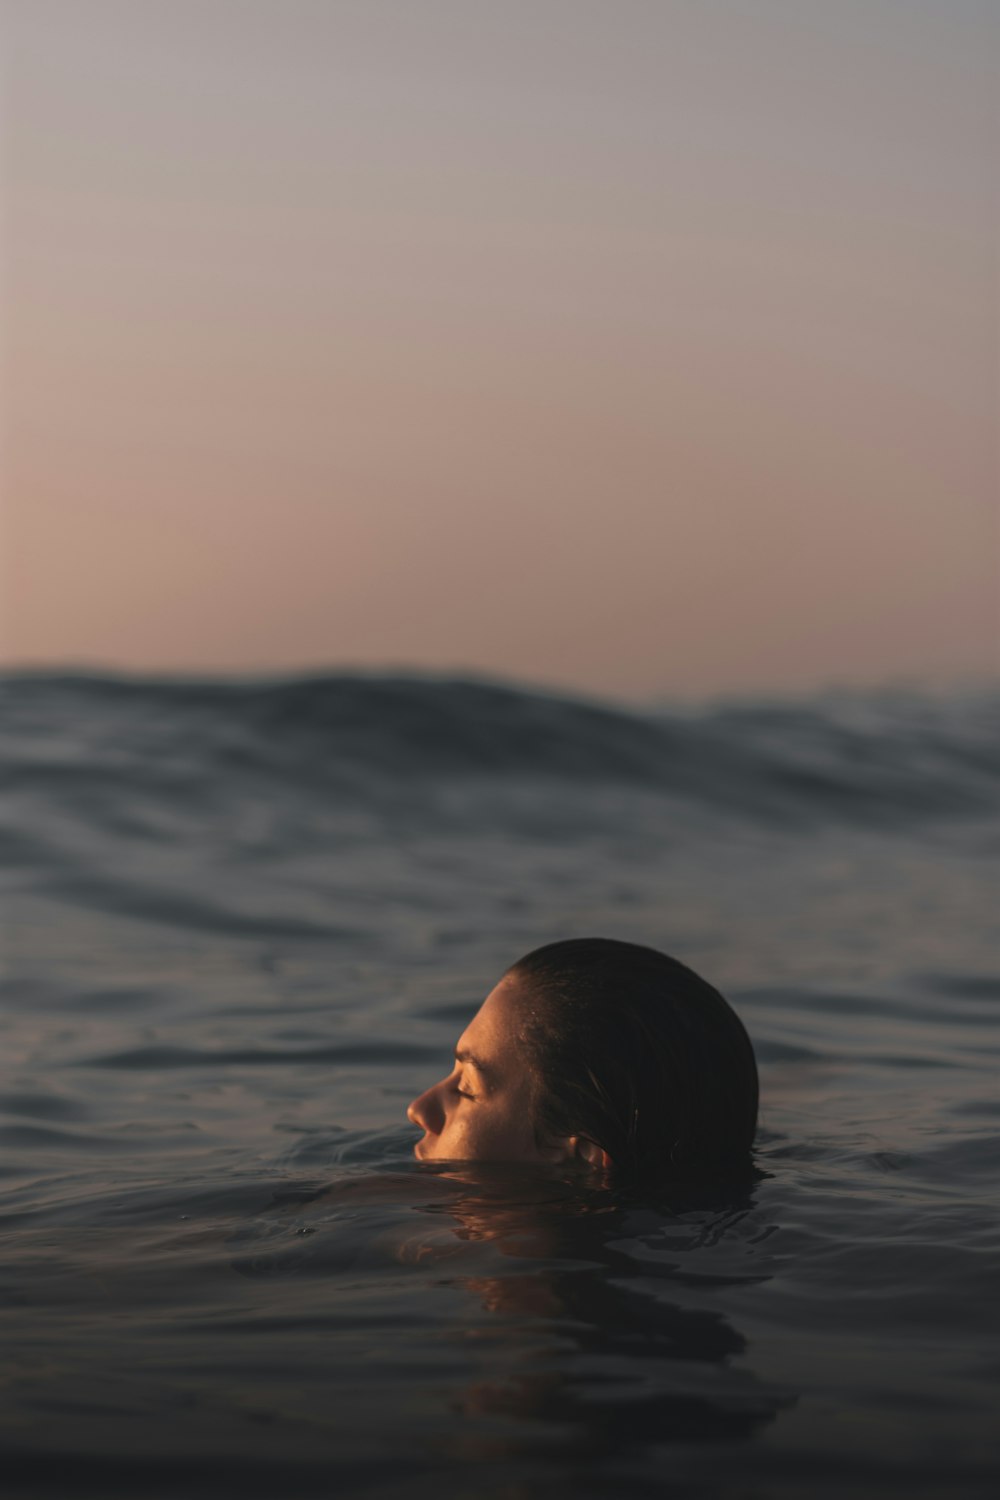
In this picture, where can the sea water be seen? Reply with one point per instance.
(245, 923)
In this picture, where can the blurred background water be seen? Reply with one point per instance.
(244, 924)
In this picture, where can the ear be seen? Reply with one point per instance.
(582, 1150)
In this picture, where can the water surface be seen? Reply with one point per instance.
(244, 924)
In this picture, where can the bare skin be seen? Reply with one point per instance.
(484, 1109)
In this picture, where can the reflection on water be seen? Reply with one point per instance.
(584, 1354)
(617, 1373)
(606, 1406)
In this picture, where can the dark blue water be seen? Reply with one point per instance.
(244, 924)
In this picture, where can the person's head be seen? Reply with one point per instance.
(600, 1052)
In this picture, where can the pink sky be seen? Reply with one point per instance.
(640, 346)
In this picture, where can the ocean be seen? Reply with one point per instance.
(244, 923)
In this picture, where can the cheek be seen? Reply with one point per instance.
(497, 1135)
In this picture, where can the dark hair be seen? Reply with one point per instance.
(636, 1053)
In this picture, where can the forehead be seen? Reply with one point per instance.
(494, 1033)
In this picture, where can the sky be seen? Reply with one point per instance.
(641, 347)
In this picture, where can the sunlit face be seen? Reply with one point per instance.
(484, 1109)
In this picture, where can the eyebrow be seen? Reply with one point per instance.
(463, 1055)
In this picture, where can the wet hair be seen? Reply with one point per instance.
(633, 1051)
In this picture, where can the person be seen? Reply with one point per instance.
(601, 1054)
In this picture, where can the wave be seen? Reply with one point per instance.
(888, 757)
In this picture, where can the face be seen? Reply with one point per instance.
(484, 1109)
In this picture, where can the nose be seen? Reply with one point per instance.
(427, 1111)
